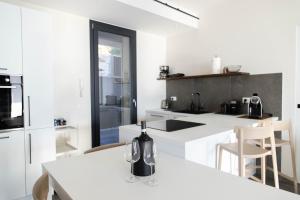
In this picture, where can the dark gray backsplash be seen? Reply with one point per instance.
(216, 90)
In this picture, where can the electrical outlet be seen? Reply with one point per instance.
(246, 100)
(173, 98)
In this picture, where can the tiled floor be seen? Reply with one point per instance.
(284, 184)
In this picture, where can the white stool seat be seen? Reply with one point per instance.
(249, 151)
(278, 142)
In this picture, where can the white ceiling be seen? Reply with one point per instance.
(165, 23)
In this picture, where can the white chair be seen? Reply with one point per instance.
(243, 149)
(284, 127)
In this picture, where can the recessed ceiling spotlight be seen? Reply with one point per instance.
(177, 9)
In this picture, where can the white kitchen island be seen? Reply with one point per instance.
(197, 144)
(101, 175)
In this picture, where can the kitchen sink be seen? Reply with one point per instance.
(190, 111)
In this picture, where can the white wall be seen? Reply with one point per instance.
(72, 65)
(151, 53)
(260, 35)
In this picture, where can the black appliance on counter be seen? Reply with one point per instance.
(11, 102)
(255, 109)
(231, 108)
(140, 168)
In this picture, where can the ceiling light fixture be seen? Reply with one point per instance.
(177, 9)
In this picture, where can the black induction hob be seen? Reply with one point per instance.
(172, 125)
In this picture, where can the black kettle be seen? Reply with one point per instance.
(140, 168)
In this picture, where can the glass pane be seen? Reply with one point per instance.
(114, 85)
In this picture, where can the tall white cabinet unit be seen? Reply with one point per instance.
(10, 39)
(37, 68)
(38, 93)
(25, 49)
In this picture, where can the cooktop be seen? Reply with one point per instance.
(172, 125)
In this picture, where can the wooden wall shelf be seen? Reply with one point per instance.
(207, 76)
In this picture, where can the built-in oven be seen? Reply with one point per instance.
(11, 102)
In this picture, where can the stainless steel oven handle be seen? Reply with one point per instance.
(30, 156)
(7, 87)
(29, 114)
(2, 138)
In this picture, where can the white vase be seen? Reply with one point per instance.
(216, 65)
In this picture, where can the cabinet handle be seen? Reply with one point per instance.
(30, 156)
(29, 114)
(156, 115)
(2, 68)
(2, 138)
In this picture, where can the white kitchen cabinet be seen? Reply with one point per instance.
(156, 115)
(10, 39)
(12, 165)
(40, 148)
(37, 69)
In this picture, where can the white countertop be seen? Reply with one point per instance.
(215, 124)
(101, 175)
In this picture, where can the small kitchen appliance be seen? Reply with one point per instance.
(164, 71)
(140, 168)
(234, 107)
(224, 109)
(165, 104)
(231, 108)
(255, 109)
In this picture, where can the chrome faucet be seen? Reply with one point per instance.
(199, 100)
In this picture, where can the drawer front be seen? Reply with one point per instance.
(157, 117)
(12, 165)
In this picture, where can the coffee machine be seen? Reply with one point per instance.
(164, 72)
(255, 107)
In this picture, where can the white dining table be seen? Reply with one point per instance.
(102, 176)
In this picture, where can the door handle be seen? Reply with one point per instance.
(2, 138)
(298, 106)
(3, 68)
(30, 155)
(134, 102)
(29, 114)
(7, 87)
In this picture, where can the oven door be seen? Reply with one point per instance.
(11, 106)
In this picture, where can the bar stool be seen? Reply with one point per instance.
(243, 149)
(283, 127)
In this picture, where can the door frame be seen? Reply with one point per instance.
(95, 110)
(297, 101)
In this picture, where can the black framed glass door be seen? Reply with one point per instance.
(113, 81)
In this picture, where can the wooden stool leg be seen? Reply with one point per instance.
(274, 159)
(241, 167)
(220, 158)
(217, 156)
(294, 166)
(263, 170)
